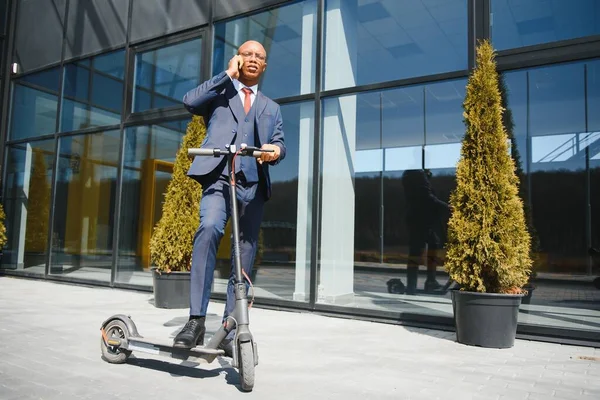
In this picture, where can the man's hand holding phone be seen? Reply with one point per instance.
(234, 67)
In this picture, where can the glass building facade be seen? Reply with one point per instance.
(371, 92)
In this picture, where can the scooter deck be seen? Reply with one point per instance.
(163, 348)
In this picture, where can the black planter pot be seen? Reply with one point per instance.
(486, 319)
(171, 290)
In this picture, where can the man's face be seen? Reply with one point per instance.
(254, 56)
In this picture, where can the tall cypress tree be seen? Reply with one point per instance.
(488, 243)
(172, 240)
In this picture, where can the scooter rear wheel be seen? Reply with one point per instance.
(115, 329)
(246, 363)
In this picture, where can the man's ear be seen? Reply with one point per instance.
(264, 67)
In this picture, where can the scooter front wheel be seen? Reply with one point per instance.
(246, 365)
(114, 330)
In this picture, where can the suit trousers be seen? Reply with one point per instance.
(215, 210)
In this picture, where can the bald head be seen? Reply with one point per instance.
(255, 62)
(252, 45)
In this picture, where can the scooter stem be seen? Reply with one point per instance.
(234, 216)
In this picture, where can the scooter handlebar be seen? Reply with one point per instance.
(244, 151)
(203, 152)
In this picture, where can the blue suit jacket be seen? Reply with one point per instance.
(218, 102)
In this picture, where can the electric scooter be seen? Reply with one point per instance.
(120, 336)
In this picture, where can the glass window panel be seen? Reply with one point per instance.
(282, 268)
(48, 79)
(442, 155)
(34, 107)
(555, 148)
(165, 75)
(143, 100)
(557, 114)
(161, 102)
(368, 161)
(144, 71)
(235, 7)
(376, 41)
(591, 143)
(148, 165)
(384, 215)
(593, 93)
(146, 22)
(403, 158)
(107, 92)
(95, 25)
(557, 104)
(29, 169)
(288, 34)
(444, 120)
(558, 183)
(76, 82)
(112, 64)
(529, 22)
(85, 205)
(82, 116)
(39, 33)
(93, 92)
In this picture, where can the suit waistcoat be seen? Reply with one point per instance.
(245, 134)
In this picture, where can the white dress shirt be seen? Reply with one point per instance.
(239, 85)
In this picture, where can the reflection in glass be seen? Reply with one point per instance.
(525, 23)
(283, 266)
(392, 154)
(34, 105)
(148, 166)
(559, 179)
(556, 100)
(288, 34)
(591, 143)
(48, 79)
(85, 205)
(93, 92)
(27, 205)
(557, 116)
(163, 76)
(378, 41)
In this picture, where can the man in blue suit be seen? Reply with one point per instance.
(235, 112)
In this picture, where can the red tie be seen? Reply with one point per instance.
(247, 102)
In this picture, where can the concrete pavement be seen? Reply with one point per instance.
(50, 349)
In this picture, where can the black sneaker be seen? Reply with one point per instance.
(191, 335)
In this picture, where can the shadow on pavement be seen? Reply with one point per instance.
(188, 369)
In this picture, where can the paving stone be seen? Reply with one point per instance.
(50, 349)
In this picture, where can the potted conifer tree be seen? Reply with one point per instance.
(488, 248)
(172, 239)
